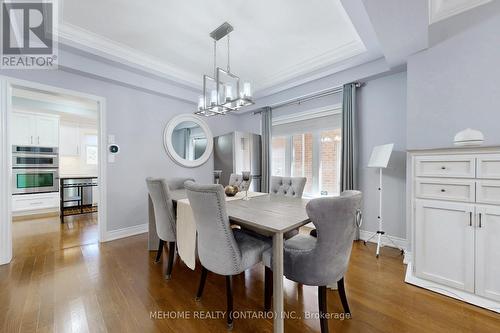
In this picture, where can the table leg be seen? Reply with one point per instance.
(278, 282)
(152, 235)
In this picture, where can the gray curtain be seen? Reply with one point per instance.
(349, 172)
(266, 127)
(349, 177)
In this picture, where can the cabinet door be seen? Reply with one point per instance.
(70, 140)
(445, 243)
(23, 129)
(47, 131)
(488, 252)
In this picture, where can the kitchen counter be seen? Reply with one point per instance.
(77, 177)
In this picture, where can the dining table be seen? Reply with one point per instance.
(267, 214)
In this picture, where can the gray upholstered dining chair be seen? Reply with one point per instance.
(165, 219)
(317, 261)
(237, 180)
(289, 187)
(221, 249)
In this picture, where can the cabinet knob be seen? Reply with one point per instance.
(443, 168)
(443, 190)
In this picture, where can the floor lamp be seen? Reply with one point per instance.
(380, 159)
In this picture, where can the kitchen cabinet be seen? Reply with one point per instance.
(31, 129)
(24, 204)
(70, 146)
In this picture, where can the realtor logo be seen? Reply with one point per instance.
(28, 35)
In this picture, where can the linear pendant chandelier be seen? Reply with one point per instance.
(223, 92)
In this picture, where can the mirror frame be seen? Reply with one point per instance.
(167, 141)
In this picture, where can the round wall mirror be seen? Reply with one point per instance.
(188, 140)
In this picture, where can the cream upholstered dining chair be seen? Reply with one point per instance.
(317, 261)
(221, 249)
(164, 212)
(237, 180)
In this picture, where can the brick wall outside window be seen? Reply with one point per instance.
(301, 159)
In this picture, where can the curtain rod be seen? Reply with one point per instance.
(310, 97)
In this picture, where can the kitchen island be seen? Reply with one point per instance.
(76, 190)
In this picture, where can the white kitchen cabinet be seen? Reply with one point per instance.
(488, 251)
(31, 129)
(23, 129)
(47, 131)
(29, 203)
(448, 263)
(70, 139)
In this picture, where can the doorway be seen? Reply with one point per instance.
(53, 160)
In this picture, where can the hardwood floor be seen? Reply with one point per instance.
(44, 235)
(114, 287)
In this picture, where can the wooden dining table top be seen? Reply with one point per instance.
(266, 214)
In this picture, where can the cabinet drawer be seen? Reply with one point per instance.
(488, 166)
(446, 166)
(488, 191)
(27, 202)
(446, 189)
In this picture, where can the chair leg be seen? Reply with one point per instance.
(323, 309)
(343, 297)
(171, 254)
(268, 288)
(204, 272)
(160, 250)
(229, 295)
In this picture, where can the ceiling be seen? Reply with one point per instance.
(442, 9)
(68, 108)
(273, 41)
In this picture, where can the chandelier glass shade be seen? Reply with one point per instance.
(223, 92)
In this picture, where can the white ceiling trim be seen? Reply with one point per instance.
(96, 44)
(346, 51)
(77, 37)
(442, 9)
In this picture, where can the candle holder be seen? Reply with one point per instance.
(217, 174)
(246, 178)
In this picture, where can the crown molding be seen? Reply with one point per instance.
(106, 48)
(88, 41)
(443, 9)
(330, 57)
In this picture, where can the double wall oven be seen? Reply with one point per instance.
(35, 169)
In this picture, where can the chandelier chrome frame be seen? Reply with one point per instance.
(220, 99)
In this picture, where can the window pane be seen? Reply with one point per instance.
(302, 159)
(278, 151)
(329, 162)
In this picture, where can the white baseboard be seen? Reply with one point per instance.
(125, 232)
(400, 242)
(407, 257)
(450, 292)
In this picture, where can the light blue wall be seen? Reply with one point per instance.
(382, 119)
(454, 84)
(137, 119)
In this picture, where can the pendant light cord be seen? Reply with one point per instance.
(215, 58)
(228, 55)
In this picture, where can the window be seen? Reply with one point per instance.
(309, 146)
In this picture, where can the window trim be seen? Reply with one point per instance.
(316, 141)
